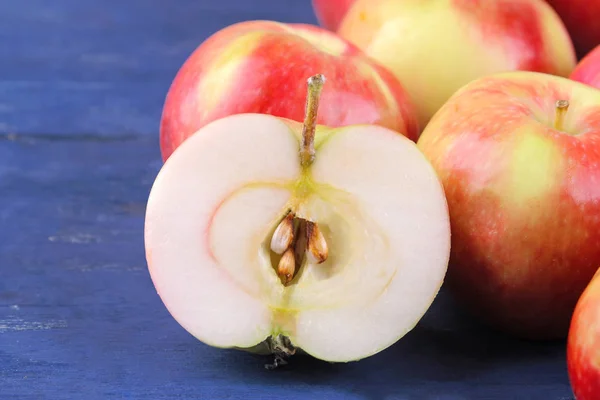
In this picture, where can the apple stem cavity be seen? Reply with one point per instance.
(315, 87)
(562, 107)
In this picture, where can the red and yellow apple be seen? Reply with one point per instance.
(436, 47)
(519, 157)
(259, 67)
(331, 12)
(588, 69)
(582, 18)
(583, 344)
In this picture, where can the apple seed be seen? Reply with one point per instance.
(317, 251)
(283, 235)
(287, 266)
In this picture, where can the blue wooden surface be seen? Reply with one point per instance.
(81, 89)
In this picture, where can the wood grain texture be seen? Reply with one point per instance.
(81, 87)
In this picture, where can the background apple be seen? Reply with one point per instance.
(435, 47)
(260, 67)
(582, 18)
(583, 345)
(522, 179)
(588, 69)
(330, 12)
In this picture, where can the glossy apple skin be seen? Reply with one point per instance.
(331, 12)
(524, 198)
(436, 47)
(262, 67)
(583, 344)
(588, 69)
(582, 20)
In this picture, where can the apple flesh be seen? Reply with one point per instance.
(256, 67)
(436, 47)
(521, 175)
(588, 69)
(331, 12)
(220, 200)
(583, 345)
(581, 19)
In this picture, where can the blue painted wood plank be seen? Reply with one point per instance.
(80, 319)
(82, 108)
(113, 40)
(104, 67)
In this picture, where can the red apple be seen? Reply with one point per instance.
(259, 67)
(588, 69)
(582, 18)
(331, 12)
(583, 345)
(521, 173)
(436, 47)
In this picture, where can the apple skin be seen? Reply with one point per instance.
(583, 344)
(523, 197)
(588, 69)
(436, 47)
(262, 67)
(331, 12)
(581, 19)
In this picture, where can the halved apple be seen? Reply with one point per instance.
(262, 230)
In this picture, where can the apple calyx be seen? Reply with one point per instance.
(562, 106)
(282, 348)
(295, 237)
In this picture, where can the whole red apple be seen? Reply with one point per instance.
(436, 47)
(583, 344)
(331, 12)
(588, 69)
(582, 18)
(260, 67)
(519, 156)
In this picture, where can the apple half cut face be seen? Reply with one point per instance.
(262, 231)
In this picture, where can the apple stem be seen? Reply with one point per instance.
(561, 110)
(315, 86)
